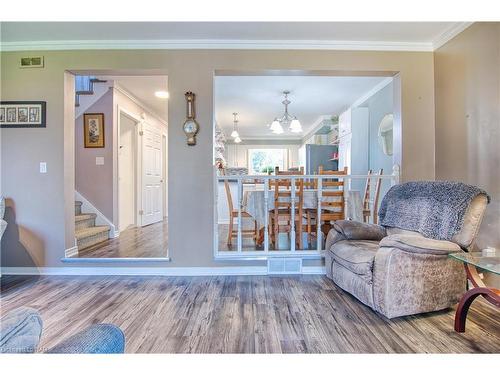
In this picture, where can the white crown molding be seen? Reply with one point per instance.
(449, 34)
(149, 271)
(263, 44)
(315, 127)
(137, 101)
(56, 45)
(367, 95)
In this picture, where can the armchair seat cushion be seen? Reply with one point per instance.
(356, 256)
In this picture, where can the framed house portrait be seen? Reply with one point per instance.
(93, 130)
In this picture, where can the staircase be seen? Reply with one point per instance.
(84, 85)
(86, 232)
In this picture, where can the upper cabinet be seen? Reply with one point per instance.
(353, 143)
(345, 123)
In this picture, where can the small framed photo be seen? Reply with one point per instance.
(93, 130)
(22, 114)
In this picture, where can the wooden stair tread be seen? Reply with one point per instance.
(82, 217)
(87, 232)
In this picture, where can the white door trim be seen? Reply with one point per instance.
(138, 156)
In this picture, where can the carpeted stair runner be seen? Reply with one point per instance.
(86, 232)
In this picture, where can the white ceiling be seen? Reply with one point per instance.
(257, 100)
(399, 35)
(143, 88)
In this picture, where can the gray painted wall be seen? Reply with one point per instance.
(95, 182)
(43, 216)
(380, 104)
(467, 81)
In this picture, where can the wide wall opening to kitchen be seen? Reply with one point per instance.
(295, 152)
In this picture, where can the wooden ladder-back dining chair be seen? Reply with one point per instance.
(282, 211)
(333, 201)
(233, 214)
(367, 211)
(366, 198)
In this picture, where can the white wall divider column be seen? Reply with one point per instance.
(292, 223)
(318, 217)
(240, 221)
(266, 215)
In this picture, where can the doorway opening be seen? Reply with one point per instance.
(295, 151)
(120, 165)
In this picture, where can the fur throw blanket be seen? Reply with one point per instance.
(436, 209)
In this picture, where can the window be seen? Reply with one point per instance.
(260, 160)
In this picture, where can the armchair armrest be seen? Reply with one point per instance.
(354, 230)
(419, 244)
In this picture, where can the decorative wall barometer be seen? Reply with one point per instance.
(190, 126)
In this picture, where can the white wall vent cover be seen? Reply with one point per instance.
(281, 266)
(31, 62)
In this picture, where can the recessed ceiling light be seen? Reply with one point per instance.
(162, 94)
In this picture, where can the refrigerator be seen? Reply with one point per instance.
(312, 156)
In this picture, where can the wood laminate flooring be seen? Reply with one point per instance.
(139, 242)
(240, 314)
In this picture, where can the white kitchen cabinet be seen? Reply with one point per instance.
(353, 144)
(345, 123)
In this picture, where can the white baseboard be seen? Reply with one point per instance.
(149, 271)
(72, 251)
(314, 270)
(88, 207)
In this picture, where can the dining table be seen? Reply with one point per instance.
(254, 202)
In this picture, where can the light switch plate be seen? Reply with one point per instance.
(43, 167)
(99, 160)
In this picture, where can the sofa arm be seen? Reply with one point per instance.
(354, 230)
(96, 339)
(407, 283)
(420, 245)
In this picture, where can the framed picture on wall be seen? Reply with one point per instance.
(93, 130)
(22, 114)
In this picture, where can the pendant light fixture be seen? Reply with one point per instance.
(287, 120)
(235, 133)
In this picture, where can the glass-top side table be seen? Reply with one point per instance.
(472, 262)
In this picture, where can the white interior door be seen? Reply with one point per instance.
(152, 175)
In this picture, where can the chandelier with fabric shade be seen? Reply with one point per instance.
(287, 120)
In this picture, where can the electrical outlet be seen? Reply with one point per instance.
(99, 160)
(43, 167)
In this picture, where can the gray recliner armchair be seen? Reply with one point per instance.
(397, 270)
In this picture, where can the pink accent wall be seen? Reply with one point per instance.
(95, 182)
